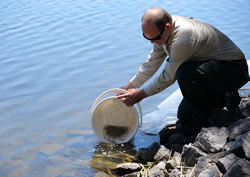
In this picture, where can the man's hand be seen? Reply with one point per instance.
(126, 87)
(133, 96)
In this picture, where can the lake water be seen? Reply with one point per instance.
(57, 56)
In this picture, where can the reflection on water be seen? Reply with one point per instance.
(56, 57)
(107, 156)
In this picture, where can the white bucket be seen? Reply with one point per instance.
(114, 121)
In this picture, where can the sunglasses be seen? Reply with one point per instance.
(156, 38)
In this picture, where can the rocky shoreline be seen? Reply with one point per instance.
(222, 149)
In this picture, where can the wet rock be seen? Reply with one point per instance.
(175, 173)
(158, 170)
(239, 168)
(246, 144)
(238, 128)
(162, 154)
(221, 118)
(226, 162)
(147, 154)
(210, 172)
(202, 164)
(127, 168)
(213, 138)
(191, 154)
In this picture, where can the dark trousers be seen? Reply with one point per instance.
(205, 86)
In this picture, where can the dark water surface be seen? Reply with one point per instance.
(57, 56)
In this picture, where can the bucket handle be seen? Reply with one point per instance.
(116, 90)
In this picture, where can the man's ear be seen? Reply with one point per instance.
(169, 26)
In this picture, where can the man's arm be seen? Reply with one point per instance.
(149, 67)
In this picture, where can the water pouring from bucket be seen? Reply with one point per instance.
(112, 120)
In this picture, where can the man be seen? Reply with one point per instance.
(207, 65)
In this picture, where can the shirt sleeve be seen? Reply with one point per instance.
(178, 55)
(149, 67)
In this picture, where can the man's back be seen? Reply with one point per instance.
(198, 40)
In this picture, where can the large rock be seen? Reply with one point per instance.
(213, 138)
(191, 154)
(210, 172)
(239, 168)
(202, 164)
(238, 128)
(246, 144)
(226, 162)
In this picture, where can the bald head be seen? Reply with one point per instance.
(157, 17)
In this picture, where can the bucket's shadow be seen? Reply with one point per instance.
(107, 155)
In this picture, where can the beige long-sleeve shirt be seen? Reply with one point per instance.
(190, 39)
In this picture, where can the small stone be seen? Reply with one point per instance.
(162, 154)
(174, 162)
(127, 168)
(191, 154)
(158, 170)
(175, 173)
